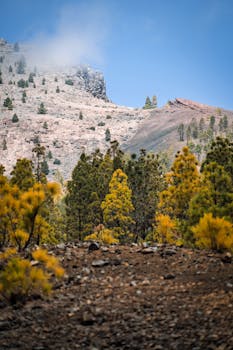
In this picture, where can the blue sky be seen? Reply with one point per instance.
(168, 48)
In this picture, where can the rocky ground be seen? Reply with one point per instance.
(129, 298)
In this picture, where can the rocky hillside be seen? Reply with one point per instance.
(77, 115)
(181, 122)
(76, 112)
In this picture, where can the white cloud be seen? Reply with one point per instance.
(79, 36)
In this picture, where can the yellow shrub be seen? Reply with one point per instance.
(102, 235)
(214, 233)
(19, 278)
(50, 262)
(19, 238)
(166, 231)
(54, 189)
(7, 254)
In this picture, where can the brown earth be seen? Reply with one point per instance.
(129, 298)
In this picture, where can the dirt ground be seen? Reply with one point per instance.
(132, 298)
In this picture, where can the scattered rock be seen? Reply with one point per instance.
(87, 318)
(227, 258)
(115, 262)
(61, 246)
(93, 246)
(100, 263)
(149, 250)
(168, 252)
(169, 276)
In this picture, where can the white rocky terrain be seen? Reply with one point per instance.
(76, 119)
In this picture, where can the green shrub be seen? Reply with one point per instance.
(69, 82)
(15, 118)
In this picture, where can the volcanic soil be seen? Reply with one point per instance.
(128, 297)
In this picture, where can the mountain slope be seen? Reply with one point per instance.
(159, 131)
(78, 112)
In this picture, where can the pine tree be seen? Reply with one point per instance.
(145, 181)
(215, 194)
(182, 185)
(221, 152)
(201, 125)
(225, 122)
(148, 103)
(154, 102)
(31, 78)
(42, 109)
(22, 174)
(21, 66)
(8, 103)
(39, 158)
(212, 122)
(15, 118)
(80, 189)
(181, 132)
(107, 135)
(117, 205)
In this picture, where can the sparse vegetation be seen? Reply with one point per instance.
(57, 161)
(80, 116)
(21, 64)
(15, 118)
(101, 123)
(8, 103)
(42, 109)
(22, 83)
(69, 82)
(107, 135)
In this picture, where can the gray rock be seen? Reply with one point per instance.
(92, 81)
(227, 258)
(100, 263)
(149, 250)
(61, 246)
(93, 246)
(169, 252)
(169, 276)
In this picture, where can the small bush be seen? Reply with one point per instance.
(19, 278)
(42, 109)
(69, 82)
(15, 118)
(102, 235)
(22, 83)
(101, 124)
(213, 233)
(80, 116)
(166, 231)
(57, 161)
